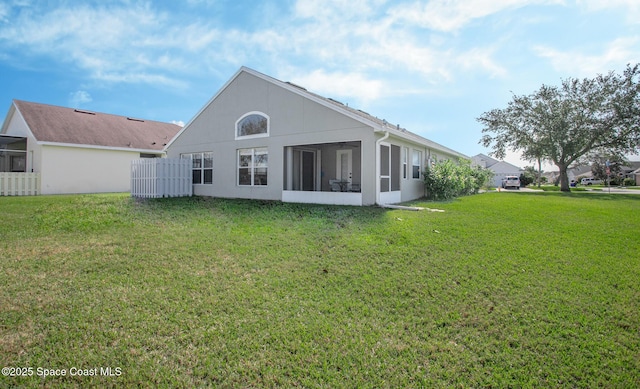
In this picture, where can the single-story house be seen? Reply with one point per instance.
(500, 169)
(630, 170)
(75, 150)
(262, 138)
(578, 172)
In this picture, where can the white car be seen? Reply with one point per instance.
(511, 182)
(590, 181)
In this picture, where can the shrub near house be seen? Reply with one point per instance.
(447, 179)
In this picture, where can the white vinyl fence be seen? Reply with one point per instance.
(19, 184)
(161, 177)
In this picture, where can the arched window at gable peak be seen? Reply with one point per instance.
(252, 124)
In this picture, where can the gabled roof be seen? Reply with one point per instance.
(504, 165)
(60, 125)
(376, 123)
(581, 170)
(488, 160)
(631, 166)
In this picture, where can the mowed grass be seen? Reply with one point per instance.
(500, 290)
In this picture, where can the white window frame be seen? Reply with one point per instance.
(405, 163)
(252, 166)
(202, 166)
(417, 153)
(264, 135)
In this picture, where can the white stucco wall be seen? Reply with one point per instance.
(83, 170)
(294, 121)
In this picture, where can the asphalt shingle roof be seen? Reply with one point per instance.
(50, 123)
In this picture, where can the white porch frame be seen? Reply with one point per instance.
(390, 197)
(333, 198)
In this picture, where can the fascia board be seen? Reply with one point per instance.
(95, 147)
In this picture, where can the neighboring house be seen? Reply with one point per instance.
(553, 177)
(78, 151)
(579, 172)
(262, 138)
(630, 170)
(636, 176)
(500, 169)
(584, 171)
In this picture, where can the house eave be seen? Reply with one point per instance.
(109, 148)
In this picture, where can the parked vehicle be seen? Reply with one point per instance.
(511, 182)
(590, 181)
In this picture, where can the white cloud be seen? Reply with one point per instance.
(178, 122)
(616, 54)
(77, 98)
(365, 43)
(140, 78)
(452, 15)
(4, 13)
(331, 9)
(631, 7)
(351, 39)
(481, 57)
(110, 43)
(341, 85)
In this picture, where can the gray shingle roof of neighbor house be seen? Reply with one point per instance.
(55, 124)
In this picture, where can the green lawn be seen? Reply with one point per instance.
(500, 290)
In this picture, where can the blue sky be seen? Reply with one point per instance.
(431, 66)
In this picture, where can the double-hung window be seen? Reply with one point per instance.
(201, 167)
(252, 166)
(417, 163)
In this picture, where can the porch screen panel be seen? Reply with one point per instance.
(395, 167)
(384, 160)
(384, 169)
(308, 170)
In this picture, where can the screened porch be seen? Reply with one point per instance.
(13, 154)
(326, 173)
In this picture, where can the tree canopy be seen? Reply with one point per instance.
(562, 124)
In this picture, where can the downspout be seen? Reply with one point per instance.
(386, 135)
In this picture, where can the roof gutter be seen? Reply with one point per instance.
(113, 148)
(386, 135)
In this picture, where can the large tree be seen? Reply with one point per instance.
(601, 163)
(563, 124)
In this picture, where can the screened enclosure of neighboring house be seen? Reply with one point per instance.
(13, 154)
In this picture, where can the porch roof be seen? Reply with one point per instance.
(8, 139)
